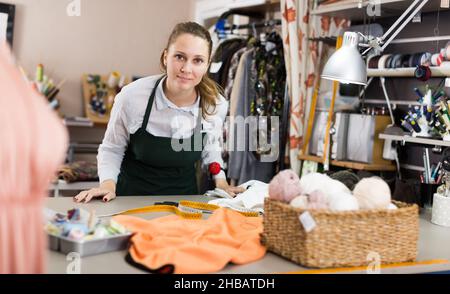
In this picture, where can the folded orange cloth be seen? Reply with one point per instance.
(195, 246)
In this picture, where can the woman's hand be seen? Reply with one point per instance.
(106, 191)
(231, 190)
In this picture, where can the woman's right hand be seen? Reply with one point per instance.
(106, 191)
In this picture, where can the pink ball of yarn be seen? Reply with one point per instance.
(318, 200)
(285, 186)
(318, 196)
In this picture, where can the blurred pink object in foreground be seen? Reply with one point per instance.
(32, 145)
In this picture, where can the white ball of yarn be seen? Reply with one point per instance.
(300, 202)
(321, 182)
(343, 201)
(392, 206)
(312, 182)
(372, 193)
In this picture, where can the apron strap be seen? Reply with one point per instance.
(150, 103)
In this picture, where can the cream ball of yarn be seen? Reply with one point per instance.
(321, 182)
(300, 202)
(372, 193)
(343, 201)
(285, 186)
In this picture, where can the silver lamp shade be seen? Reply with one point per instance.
(346, 65)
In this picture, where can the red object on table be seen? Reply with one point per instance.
(214, 168)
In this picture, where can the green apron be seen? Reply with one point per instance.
(152, 167)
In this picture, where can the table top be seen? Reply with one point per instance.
(433, 243)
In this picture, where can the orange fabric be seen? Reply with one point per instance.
(195, 246)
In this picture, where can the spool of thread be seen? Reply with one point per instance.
(113, 80)
(438, 95)
(417, 58)
(407, 126)
(422, 73)
(405, 60)
(76, 234)
(414, 124)
(434, 59)
(382, 61)
(440, 58)
(447, 52)
(425, 59)
(429, 113)
(373, 61)
(419, 94)
(39, 73)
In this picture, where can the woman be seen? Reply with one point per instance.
(152, 140)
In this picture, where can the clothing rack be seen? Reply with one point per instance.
(268, 23)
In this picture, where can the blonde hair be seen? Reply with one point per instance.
(208, 89)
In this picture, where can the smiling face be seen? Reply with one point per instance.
(186, 61)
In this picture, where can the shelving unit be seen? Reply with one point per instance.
(351, 164)
(356, 10)
(417, 140)
(441, 71)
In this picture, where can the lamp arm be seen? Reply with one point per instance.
(379, 44)
(400, 19)
(408, 19)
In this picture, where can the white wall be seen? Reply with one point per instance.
(123, 35)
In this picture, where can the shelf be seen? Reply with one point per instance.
(349, 8)
(84, 123)
(351, 164)
(441, 71)
(417, 140)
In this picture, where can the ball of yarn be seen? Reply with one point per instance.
(285, 186)
(347, 177)
(300, 202)
(372, 193)
(321, 182)
(313, 182)
(343, 201)
(318, 200)
(392, 206)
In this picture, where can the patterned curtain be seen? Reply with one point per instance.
(301, 62)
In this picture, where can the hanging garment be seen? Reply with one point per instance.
(194, 246)
(152, 167)
(32, 146)
(221, 59)
(234, 63)
(243, 166)
(269, 70)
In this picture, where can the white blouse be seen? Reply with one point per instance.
(166, 120)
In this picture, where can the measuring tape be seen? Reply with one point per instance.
(185, 209)
(364, 268)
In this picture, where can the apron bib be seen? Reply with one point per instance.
(152, 167)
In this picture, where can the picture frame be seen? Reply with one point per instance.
(7, 14)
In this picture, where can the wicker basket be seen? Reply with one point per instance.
(342, 239)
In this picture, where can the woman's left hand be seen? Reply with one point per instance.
(231, 190)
